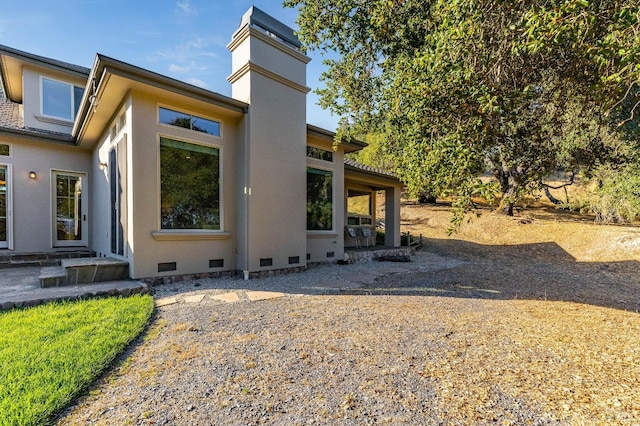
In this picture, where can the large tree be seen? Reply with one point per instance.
(517, 88)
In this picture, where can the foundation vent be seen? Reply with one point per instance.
(267, 261)
(167, 266)
(216, 263)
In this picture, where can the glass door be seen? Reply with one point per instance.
(69, 204)
(4, 208)
(117, 177)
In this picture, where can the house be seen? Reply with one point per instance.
(174, 179)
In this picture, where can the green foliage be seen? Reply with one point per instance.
(451, 89)
(617, 198)
(51, 353)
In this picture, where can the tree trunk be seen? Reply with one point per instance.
(551, 198)
(509, 180)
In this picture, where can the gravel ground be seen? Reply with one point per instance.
(464, 334)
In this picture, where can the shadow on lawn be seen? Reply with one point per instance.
(541, 271)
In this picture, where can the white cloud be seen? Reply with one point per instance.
(197, 82)
(177, 68)
(185, 8)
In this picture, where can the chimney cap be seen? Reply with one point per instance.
(257, 18)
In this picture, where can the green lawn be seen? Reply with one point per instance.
(51, 353)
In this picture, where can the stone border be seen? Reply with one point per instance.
(88, 294)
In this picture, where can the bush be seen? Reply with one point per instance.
(617, 198)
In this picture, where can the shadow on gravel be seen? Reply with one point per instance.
(542, 271)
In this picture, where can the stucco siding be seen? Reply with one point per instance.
(191, 255)
(32, 198)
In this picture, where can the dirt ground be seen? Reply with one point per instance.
(542, 253)
(529, 320)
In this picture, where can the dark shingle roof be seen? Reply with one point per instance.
(354, 165)
(11, 121)
(44, 60)
(10, 116)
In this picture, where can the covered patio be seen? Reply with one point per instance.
(362, 184)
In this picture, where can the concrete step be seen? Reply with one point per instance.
(14, 260)
(84, 271)
(52, 276)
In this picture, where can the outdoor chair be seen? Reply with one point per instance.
(368, 236)
(352, 236)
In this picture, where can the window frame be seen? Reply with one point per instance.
(72, 93)
(195, 233)
(319, 151)
(191, 116)
(84, 209)
(331, 172)
(10, 146)
(8, 243)
(361, 218)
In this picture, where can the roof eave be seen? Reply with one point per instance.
(350, 145)
(36, 136)
(105, 66)
(78, 70)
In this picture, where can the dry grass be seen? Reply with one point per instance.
(541, 222)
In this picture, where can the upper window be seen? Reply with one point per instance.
(320, 154)
(5, 150)
(319, 200)
(60, 100)
(189, 185)
(188, 121)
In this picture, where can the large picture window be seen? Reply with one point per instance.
(319, 200)
(188, 121)
(59, 99)
(189, 185)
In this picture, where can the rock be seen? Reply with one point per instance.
(394, 258)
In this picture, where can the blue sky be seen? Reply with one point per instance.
(184, 39)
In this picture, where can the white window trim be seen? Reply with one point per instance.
(9, 183)
(193, 113)
(324, 165)
(52, 211)
(52, 118)
(183, 234)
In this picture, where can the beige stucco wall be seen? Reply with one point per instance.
(192, 254)
(273, 172)
(277, 175)
(32, 104)
(32, 198)
(321, 243)
(101, 189)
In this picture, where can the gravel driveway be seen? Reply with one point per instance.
(475, 335)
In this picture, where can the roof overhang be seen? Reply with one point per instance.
(376, 179)
(113, 79)
(37, 136)
(350, 145)
(12, 62)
